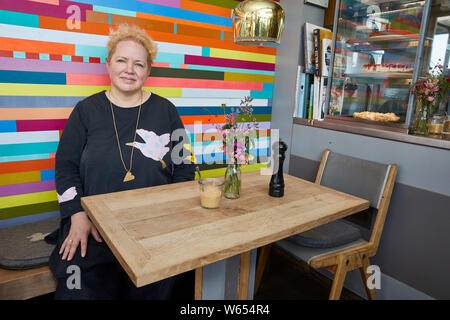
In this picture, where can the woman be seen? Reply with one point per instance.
(115, 140)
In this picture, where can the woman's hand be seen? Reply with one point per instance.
(80, 229)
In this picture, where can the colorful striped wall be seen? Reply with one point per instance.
(52, 54)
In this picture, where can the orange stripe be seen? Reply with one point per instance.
(61, 24)
(199, 32)
(30, 165)
(34, 113)
(181, 21)
(205, 8)
(104, 80)
(97, 17)
(148, 24)
(36, 46)
(203, 119)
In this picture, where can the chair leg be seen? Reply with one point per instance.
(363, 270)
(262, 261)
(338, 281)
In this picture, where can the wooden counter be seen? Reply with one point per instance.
(162, 231)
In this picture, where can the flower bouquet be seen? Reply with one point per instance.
(429, 92)
(238, 138)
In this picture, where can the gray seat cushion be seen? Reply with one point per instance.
(329, 235)
(24, 247)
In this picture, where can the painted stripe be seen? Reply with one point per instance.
(21, 166)
(205, 8)
(19, 177)
(47, 175)
(27, 199)
(38, 102)
(17, 89)
(40, 125)
(230, 76)
(88, 79)
(162, 10)
(240, 55)
(17, 18)
(114, 11)
(54, 2)
(40, 9)
(11, 222)
(192, 111)
(229, 63)
(8, 126)
(190, 120)
(210, 102)
(204, 127)
(167, 3)
(27, 148)
(213, 93)
(261, 94)
(51, 66)
(28, 137)
(223, 69)
(8, 76)
(24, 158)
(184, 73)
(30, 187)
(31, 209)
(172, 58)
(91, 51)
(34, 113)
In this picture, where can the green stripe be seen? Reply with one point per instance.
(258, 117)
(30, 209)
(186, 73)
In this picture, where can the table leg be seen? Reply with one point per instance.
(229, 279)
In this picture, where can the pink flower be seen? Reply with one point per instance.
(430, 99)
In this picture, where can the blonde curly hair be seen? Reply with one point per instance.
(127, 32)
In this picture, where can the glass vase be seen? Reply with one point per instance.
(421, 120)
(232, 186)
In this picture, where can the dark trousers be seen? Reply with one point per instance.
(98, 276)
(110, 282)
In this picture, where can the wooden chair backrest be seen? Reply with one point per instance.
(362, 178)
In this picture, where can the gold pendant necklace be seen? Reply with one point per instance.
(128, 176)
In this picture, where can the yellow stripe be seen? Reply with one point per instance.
(221, 172)
(231, 76)
(19, 177)
(26, 199)
(34, 113)
(25, 89)
(241, 55)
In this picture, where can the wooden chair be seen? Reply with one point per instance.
(339, 246)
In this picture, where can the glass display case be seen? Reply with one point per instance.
(376, 49)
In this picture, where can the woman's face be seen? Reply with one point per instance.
(128, 67)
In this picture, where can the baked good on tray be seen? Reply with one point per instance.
(387, 68)
(376, 116)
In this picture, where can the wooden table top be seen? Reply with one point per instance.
(161, 231)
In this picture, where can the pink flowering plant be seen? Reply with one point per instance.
(429, 93)
(239, 137)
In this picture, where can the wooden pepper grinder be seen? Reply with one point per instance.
(276, 186)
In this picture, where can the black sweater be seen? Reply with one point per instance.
(88, 160)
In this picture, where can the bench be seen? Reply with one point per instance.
(26, 284)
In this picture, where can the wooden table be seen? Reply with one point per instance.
(162, 231)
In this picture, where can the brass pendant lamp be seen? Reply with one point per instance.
(258, 23)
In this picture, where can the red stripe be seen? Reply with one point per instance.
(7, 54)
(40, 125)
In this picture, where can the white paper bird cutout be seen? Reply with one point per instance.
(37, 236)
(154, 146)
(68, 195)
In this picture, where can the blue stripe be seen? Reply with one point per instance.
(267, 86)
(206, 51)
(212, 111)
(175, 28)
(38, 102)
(7, 76)
(90, 51)
(150, 8)
(19, 55)
(25, 157)
(47, 175)
(27, 148)
(261, 94)
(44, 56)
(19, 19)
(8, 126)
(27, 219)
(221, 35)
(172, 58)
